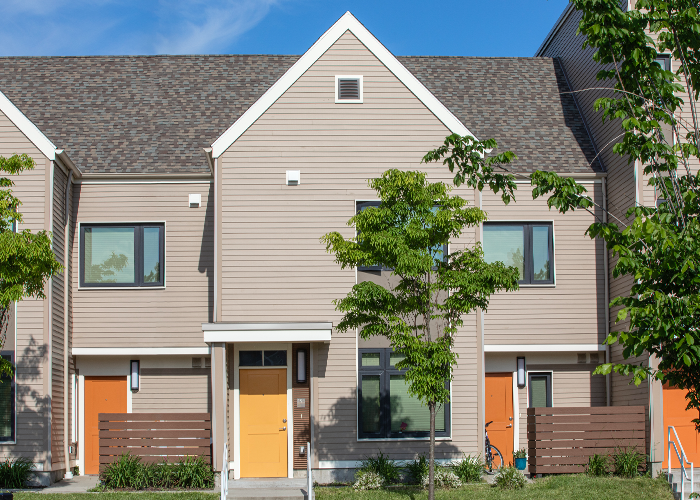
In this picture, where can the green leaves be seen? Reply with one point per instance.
(468, 157)
(565, 193)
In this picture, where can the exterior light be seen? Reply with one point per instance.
(293, 177)
(301, 366)
(135, 375)
(521, 372)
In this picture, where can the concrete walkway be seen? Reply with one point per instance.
(270, 488)
(79, 484)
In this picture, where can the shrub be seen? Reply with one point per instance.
(129, 472)
(15, 473)
(626, 462)
(444, 478)
(598, 466)
(469, 469)
(368, 480)
(417, 469)
(383, 466)
(510, 478)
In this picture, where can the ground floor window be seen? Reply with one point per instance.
(386, 410)
(540, 390)
(7, 404)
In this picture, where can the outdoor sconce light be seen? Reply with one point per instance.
(521, 372)
(301, 366)
(293, 177)
(135, 374)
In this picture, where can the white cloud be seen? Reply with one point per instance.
(200, 27)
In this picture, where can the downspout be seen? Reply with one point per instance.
(66, 331)
(606, 295)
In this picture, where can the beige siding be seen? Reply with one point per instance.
(143, 317)
(573, 311)
(273, 265)
(32, 404)
(179, 390)
(57, 322)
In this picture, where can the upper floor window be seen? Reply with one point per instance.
(118, 255)
(529, 247)
(664, 60)
(386, 410)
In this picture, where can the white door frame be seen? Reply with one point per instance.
(255, 346)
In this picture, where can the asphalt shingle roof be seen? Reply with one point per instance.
(154, 114)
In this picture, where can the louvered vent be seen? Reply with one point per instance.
(348, 89)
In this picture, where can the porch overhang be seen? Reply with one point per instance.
(267, 332)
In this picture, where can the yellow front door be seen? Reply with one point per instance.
(263, 407)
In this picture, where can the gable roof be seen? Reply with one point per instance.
(347, 22)
(154, 114)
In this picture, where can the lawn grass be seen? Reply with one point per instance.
(575, 487)
(140, 495)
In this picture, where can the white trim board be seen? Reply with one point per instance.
(139, 351)
(268, 336)
(544, 348)
(25, 126)
(347, 22)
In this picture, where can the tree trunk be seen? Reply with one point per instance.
(431, 469)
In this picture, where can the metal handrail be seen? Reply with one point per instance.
(682, 458)
(224, 474)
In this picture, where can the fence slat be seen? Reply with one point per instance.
(154, 437)
(561, 440)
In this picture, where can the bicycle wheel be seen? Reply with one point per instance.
(495, 459)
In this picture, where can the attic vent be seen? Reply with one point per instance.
(196, 362)
(594, 358)
(348, 89)
(581, 357)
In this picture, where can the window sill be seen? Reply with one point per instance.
(121, 288)
(534, 285)
(427, 438)
(7, 442)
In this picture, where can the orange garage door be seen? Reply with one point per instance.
(676, 415)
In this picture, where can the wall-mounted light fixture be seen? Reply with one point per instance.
(135, 372)
(195, 200)
(301, 366)
(293, 177)
(521, 372)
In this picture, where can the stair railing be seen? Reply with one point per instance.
(224, 474)
(682, 459)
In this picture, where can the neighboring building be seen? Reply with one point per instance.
(196, 190)
(627, 186)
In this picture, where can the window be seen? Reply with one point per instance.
(262, 358)
(527, 246)
(7, 403)
(438, 252)
(117, 255)
(348, 89)
(385, 408)
(540, 389)
(664, 60)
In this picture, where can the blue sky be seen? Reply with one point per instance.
(408, 27)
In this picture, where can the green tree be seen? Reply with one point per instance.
(26, 258)
(422, 312)
(658, 246)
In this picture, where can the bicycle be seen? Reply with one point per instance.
(492, 457)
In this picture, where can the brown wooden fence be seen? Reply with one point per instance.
(560, 440)
(155, 437)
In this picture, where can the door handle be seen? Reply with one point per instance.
(509, 425)
(284, 428)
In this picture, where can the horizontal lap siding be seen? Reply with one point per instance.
(57, 322)
(273, 266)
(572, 312)
(186, 393)
(32, 405)
(141, 317)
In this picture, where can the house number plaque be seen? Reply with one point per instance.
(301, 402)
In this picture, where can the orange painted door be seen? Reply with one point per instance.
(499, 409)
(263, 409)
(102, 395)
(676, 415)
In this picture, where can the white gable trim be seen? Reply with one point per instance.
(27, 127)
(346, 23)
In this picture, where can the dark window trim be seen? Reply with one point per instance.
(548, 375)
(13, 398)
(528, 263)
(138, 255)
(666, 58)
(385, 371)
(363, 204)
(262, 358)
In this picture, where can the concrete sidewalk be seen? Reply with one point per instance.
(78, 484)
(270, 488)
